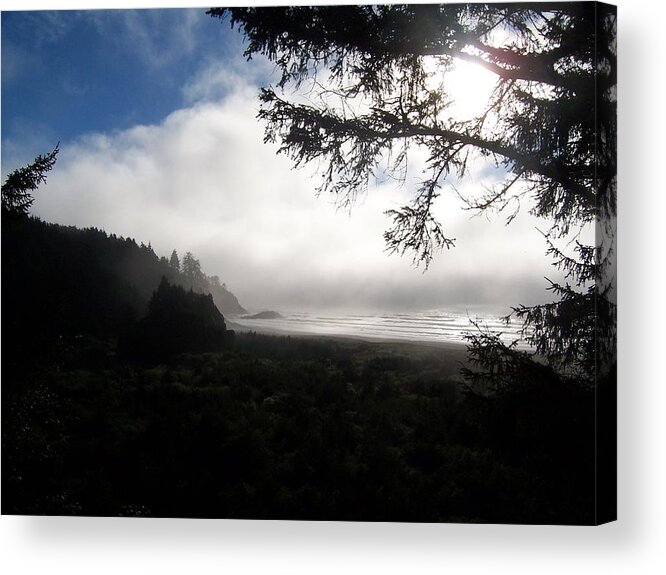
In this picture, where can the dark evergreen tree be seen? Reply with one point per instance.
(21, 183)
(191, 269)
(174, 262)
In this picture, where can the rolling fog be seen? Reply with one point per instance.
(203, 181)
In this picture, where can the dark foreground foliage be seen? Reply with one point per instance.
(289, 428)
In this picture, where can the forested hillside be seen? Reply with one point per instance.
(71, 280)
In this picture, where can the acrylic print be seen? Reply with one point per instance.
(310, 263)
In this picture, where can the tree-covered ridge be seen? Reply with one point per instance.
(85, 280)
(93, 282)
(190, 276)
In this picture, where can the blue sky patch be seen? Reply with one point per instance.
(67, 73)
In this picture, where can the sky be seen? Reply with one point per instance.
(155, 112)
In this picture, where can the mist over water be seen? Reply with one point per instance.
(441, 326)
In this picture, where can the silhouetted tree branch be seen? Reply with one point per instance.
(373, 82)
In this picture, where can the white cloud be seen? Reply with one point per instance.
(203, 181)
(219, 77)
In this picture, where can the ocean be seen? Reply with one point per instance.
(427, 326)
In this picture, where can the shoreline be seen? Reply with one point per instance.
(431, 344)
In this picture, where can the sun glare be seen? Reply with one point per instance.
(469, 86)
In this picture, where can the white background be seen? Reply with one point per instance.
(636, 543)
